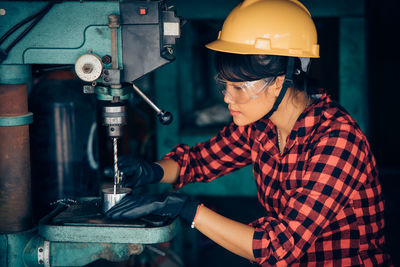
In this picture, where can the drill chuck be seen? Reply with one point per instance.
(114, 117)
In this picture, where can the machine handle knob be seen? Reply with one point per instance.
(165, 117)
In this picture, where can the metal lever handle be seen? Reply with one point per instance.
(165, 117)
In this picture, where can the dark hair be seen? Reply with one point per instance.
(239, 68)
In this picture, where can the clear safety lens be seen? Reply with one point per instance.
(242, 92)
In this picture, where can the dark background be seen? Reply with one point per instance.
(383, 70)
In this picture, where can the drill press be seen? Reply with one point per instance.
(89, 67)
(111, 44)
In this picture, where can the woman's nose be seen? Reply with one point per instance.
(227, 98)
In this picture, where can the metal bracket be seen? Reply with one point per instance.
(44, 254)
(111, 77)
(88, 89)
(107, 93)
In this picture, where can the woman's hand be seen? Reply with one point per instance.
(138, 172)
(232, 235)
(134, 206)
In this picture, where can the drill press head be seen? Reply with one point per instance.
(140, 43)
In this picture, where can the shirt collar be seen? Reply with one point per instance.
(305, 125)
(309, 119)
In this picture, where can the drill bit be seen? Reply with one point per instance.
(116, 172)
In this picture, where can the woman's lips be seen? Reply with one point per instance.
(234, 113)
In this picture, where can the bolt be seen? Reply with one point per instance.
(113, 21)
(40, 249)
(41, 262)
(106, 79)
(106, 59)
(106, 72)
(87, 68)
(2, 12)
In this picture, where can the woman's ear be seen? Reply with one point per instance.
(278, 85)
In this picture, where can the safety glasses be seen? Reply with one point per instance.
(242, 92)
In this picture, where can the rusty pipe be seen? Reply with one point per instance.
(15, 178)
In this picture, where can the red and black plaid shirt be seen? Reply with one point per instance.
(322, 197)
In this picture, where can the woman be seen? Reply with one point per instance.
(314, 170)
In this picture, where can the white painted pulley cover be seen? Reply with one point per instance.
(88, 67)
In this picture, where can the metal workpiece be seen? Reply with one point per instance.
(15, 179)
(111, 196)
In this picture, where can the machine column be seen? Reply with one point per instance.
(15, 179)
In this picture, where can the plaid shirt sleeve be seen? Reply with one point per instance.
(222, 154)
(335, 169)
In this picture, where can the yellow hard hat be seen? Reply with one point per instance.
(268, 27)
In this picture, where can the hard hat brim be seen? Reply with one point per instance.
(243, 49)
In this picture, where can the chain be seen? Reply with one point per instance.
(279, 139)
(64, 201)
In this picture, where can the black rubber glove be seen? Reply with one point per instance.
(138, 172)
(134, 206)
